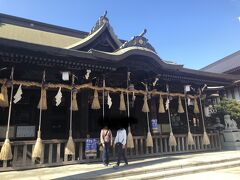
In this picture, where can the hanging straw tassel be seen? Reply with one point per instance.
(205, 140)
(122, 103)
(6, 150)
(70, 146)
(196, 109)
(190, 140)
(161, 105)
(4, 96)
(149, 139)
(38, 147)
(130, 143)
(172, 140)
(44, 99)
(180, 107)
(95, 103)
(145, 107)
(74, 102)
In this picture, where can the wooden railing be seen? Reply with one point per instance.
(54, 151)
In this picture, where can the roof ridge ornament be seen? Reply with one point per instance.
(143, 33)
(100, 22)
(139, 41)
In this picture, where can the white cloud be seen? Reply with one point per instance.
(239, 18)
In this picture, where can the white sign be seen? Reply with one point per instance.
(65, 76)
(25, 131)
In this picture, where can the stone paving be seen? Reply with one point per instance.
(137, 168)
(223, 174)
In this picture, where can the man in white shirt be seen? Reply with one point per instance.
(120, 142)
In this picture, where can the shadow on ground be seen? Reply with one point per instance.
(110, 170)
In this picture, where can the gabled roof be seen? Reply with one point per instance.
(227, 64)
(30, 31)
(57, 41)
(139, 41)
(34, 36)
(101, 26)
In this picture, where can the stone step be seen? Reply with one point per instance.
(181, 171)
(132, 173)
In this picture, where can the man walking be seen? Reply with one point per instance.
(120, 142)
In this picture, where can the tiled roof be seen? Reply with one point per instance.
(225, 64)
(30, 35)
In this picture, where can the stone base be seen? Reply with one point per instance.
(231, 145)
(231, 140)
(231, 135)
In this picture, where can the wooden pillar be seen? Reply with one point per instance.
(83, 112)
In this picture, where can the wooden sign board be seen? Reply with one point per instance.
(25, 131)
(3, 130)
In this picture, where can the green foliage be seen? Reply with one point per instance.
(231, 107)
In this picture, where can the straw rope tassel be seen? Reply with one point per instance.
(43, 99)
(122, 103)
(95, 103)
(103, 97)
(38, 147)
(161, 105)
(74, 102)
(130, 143)
(190, 140)
(149, 136)
(4, 97)
(172, 140)
(145, 107)
(205, 140)
(70, 146)
(149, 140)
(6, 151)
(180, 107)
(196, 109)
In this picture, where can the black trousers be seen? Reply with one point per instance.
(120, 153)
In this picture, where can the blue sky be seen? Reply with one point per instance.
(190, 32)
